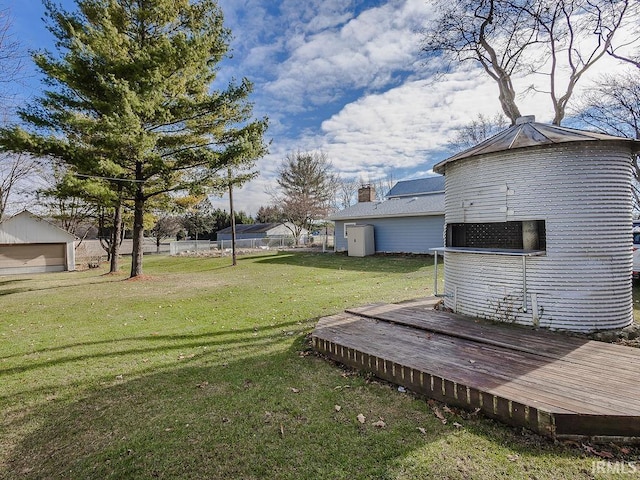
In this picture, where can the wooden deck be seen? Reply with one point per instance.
(554, 384)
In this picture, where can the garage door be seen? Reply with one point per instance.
(32, 258)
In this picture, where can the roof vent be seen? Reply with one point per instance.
(525, 119)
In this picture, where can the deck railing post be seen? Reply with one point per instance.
(435, 274)
(524, 283)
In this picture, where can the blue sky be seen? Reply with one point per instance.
(345, 77)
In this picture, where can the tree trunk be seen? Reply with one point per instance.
(114, 251)
(234, 261)
(104, 241)
(494, 67)
(138, 228)
(507, 97)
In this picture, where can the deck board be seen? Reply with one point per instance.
(519, 375)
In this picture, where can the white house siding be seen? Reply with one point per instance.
(583, 192)
(399, 235)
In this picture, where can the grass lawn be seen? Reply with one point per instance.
(201, 371)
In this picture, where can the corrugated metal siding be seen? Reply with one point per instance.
(583, 192)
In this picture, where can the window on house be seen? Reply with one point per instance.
(346, 228)
(522, 235)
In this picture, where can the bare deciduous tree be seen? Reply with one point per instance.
(307, 190)
(11, 57)
(166, 226)
(560, 40)
(575, 34)
(612, 105)
(489, 33)
(479, 129)
(347, 192)
(15, 169)
(381, 185)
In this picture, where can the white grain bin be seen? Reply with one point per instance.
(538, 228)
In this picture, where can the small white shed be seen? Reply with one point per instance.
(30, 244)
(538, 228)
(361, 240)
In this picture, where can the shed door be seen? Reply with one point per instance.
(32, 258)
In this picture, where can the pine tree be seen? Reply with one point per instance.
(130, 100)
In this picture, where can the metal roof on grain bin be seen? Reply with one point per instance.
(528, 133)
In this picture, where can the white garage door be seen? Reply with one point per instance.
(32, 258)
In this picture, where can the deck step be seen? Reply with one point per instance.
(555, 384)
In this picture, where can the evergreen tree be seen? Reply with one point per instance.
(130, 101)
(269, 214)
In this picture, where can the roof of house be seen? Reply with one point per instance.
(528, 133)
(25, 227)
(251, 228)
(420, 186)
(394, 207)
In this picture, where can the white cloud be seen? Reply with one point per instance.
(404, 119)
(365, 52)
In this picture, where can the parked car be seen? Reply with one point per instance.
(636, 250)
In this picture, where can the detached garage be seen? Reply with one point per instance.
(29, 244)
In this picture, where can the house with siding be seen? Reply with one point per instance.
(260, 230)
(410, 220)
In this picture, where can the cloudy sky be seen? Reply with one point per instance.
(345, 77)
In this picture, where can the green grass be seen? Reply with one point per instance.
(202, 371)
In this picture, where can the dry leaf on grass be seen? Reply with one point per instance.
(337, 408)
(457, 425)
(513, 458)
(361, 418)
(422, 430)
(439, 414)
(379, 424)
(295, 390)
(599, 453)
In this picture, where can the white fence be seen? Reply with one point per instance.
(249, 243)
(258, 243)
(190, 246)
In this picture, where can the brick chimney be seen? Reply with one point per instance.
(366, 193)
